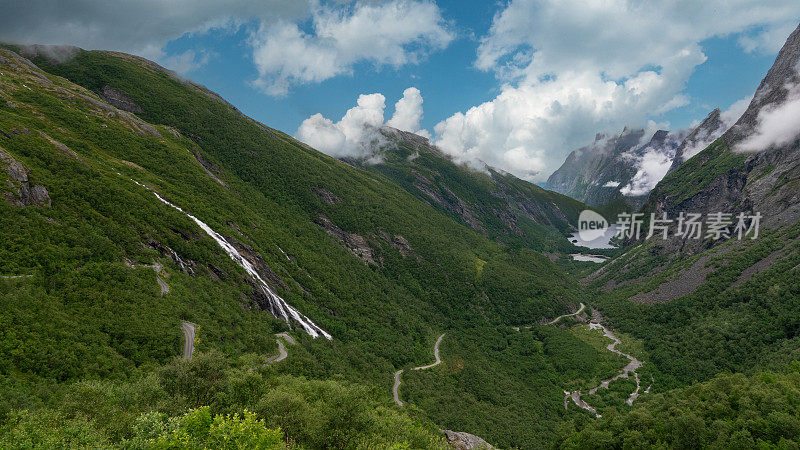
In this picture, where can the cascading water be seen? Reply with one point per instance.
(278, 306)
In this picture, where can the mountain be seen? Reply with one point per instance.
(699, 138)
(137, 206)
(753, 166)
(336, 304)
(616, 169)
(494, 203)
(707, 307)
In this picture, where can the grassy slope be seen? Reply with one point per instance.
(85, 315)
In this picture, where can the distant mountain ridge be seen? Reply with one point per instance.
(490, 201)
(610, 169)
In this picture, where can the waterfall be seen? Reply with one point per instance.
(278, 306)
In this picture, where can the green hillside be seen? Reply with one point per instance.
(494, 203)
(97, 276)
(371, 264)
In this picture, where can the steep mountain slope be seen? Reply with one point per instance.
(752, 167)
(699, 138)
(491, 202)
(92, 234)
(610, 170)
(703, 306)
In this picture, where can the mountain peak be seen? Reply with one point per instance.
(704, 134)
(774, 88)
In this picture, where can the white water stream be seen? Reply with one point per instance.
(278, 306)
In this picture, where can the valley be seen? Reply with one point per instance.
(171, 264)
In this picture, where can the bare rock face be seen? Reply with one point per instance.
(773, 89)
(587, 171)
(444, 197)
(356, 244)
(326, 195)
(119, 100)
(22, 192)
(465, 441)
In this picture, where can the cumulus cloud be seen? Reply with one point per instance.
(356, 133)
(529, 129)
(612, 184)
(570, 68)
(778, 124)
(394, 33)
(350, 136)
(408, 112)
(140, 27)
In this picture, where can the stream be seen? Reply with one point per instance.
(277, 306)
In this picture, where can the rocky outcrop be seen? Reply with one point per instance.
(187, 266)
(465, 441)
(119, 100)
(21, 192)
(594, 174)
(326, 195)
(441, 195)
(400, 244)
(136, 124)
(356, 244)
(210, 168)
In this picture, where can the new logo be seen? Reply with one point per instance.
(591, 225)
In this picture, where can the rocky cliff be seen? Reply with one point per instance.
(755, 165)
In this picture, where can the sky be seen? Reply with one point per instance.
(516, 84)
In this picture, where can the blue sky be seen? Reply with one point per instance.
(448, 80)
(516, 84)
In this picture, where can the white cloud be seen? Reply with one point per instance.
(735, 111)
(356, 133)
(408, 112)
(140, 27)
(350, 136)
(778, 124)
(612, 184)
(704, 137)
(394, 33)
(767, 41)
(652, 166)
(529, 129)
(571, 68)
(652, 160)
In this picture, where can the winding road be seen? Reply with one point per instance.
(396, 388)
(157, 267)
(188, 338)
(282, 353)
(626, 372)
(552, 322)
